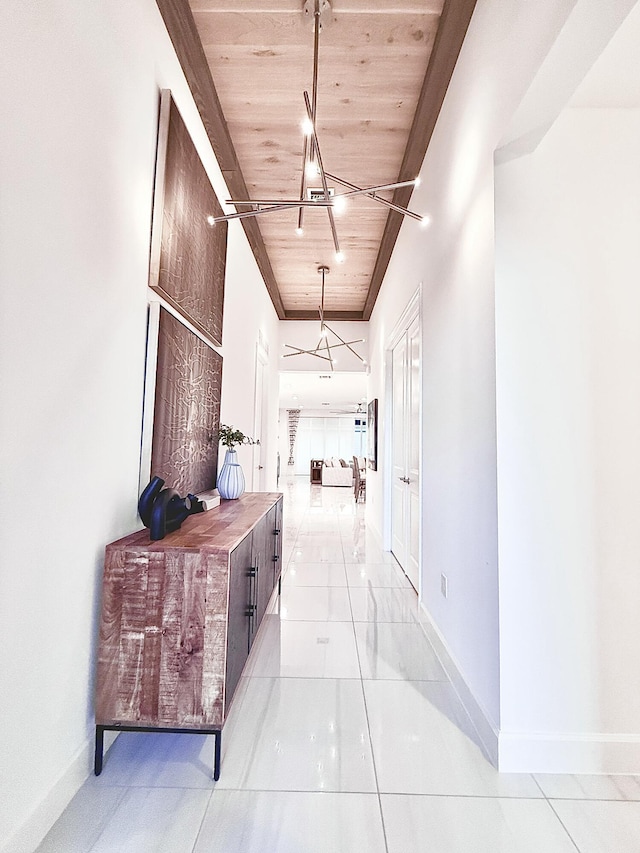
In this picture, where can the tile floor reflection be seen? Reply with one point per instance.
(345, 736)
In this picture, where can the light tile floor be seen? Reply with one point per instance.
(345, 736)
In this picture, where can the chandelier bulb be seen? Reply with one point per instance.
(339, 203)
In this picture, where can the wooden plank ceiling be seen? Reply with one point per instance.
(383, 70)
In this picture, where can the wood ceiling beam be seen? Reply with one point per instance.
(183, 33)
(454, 22)
(328, 315)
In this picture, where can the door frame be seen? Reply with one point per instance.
(411, 311)
(260, 414)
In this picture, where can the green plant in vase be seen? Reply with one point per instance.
(229, 436)
(230, 483)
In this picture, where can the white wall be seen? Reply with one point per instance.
(453, 259)
(568, 219)
(250, 322)
(80, 89)
(512, 57)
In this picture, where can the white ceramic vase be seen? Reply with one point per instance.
(230, 484)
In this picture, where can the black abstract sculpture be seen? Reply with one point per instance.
(163, 510)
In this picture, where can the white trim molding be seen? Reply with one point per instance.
(568, 752)
(29, 836)
(485, 727)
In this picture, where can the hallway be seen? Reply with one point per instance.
(345, 736)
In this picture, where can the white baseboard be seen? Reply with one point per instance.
(527, 752)
(27, 838)
(567, 752)
(484, 725)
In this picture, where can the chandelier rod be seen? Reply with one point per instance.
(323, 175)
(307, 143)
(323, 344)
(371, 193)
(276, 204)
(287, 205)
(321, 202)
(323, 335)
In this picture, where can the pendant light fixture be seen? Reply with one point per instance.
(325, 347)
(313, 165)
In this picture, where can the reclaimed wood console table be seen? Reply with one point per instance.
(179, 616)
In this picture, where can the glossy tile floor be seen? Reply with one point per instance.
(345, 736)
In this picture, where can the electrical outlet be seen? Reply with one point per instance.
(444, 585)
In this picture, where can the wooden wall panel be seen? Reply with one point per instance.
(188, 256)
(187, 409)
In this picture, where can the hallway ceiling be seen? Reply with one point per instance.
(321, 392)
(383, 70)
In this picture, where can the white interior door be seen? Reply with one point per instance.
(405, 428)
(258, 479)
(399, 454)
(413, 452)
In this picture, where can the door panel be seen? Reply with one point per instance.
(263, 560)
(405, 431)
(413, 454)
(277, 542)
(398, 414)
(240, 585)
(260, 417)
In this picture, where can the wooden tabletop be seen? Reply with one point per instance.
(223, 527)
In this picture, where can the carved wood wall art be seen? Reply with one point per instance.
(187, 408)
(188, 256)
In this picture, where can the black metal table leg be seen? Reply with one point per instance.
(101, 729)
(216, 759)
(97, 759)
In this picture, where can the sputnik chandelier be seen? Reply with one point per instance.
(324, 348)
(313, 166)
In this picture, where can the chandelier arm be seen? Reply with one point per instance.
(308, 144)
(346, 344)
(246, 214)
(376, 189)
(307, 352)
(298, 351)
(329, 353)
(284, 202)
(303, 182)
(303, 352)
(371, 194)
(316, 53)
(323, 270)
(323, 175)
(343, 344)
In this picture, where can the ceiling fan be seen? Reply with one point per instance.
(355, 409)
